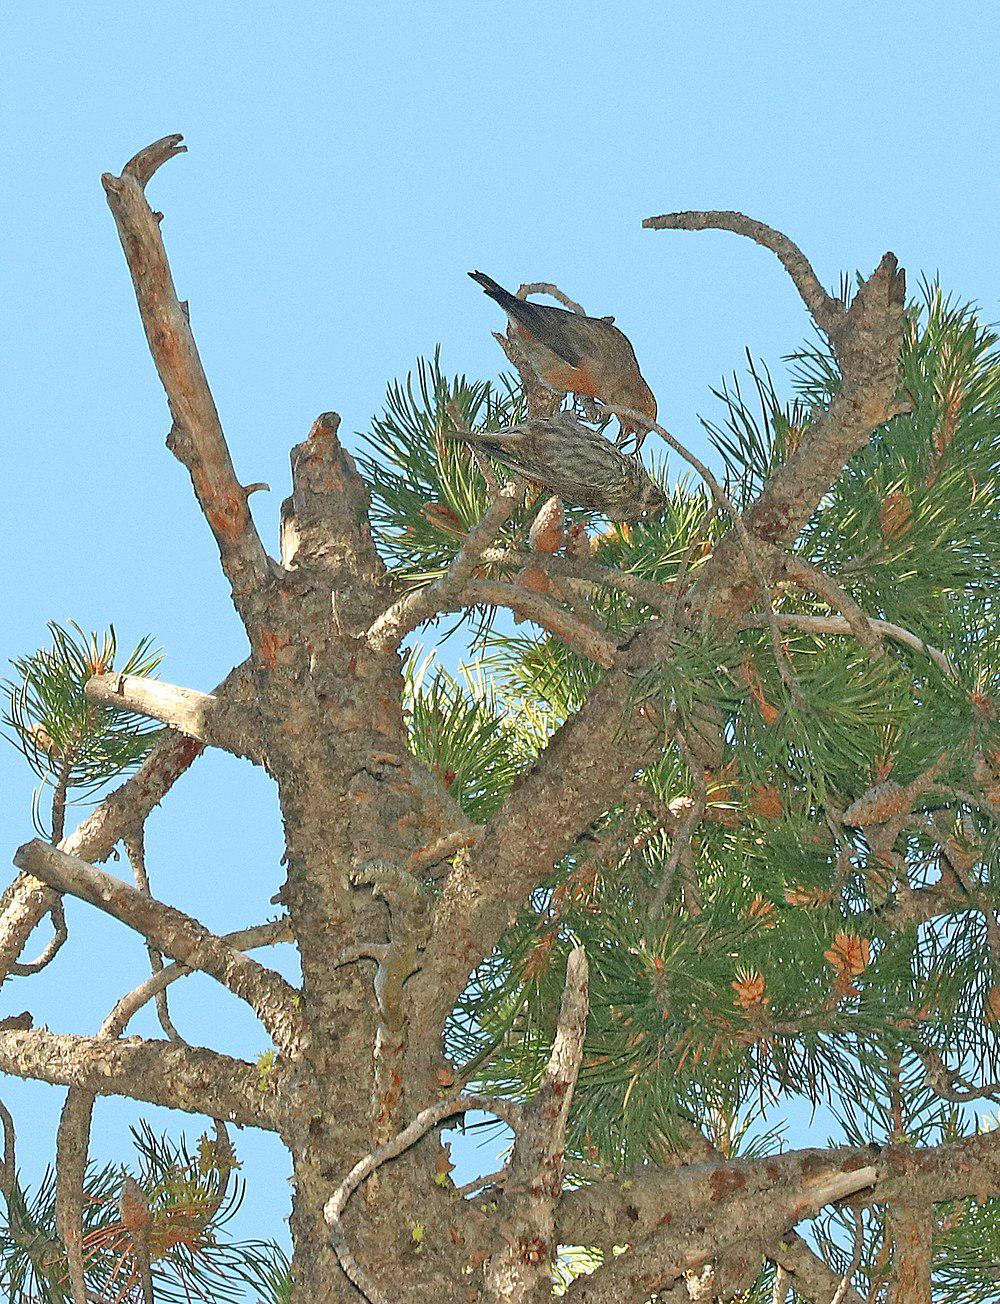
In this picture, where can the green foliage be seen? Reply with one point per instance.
(191, 1197)
(912, 526)
(461, 731)
(780, 969)
(74, 746)
(754, 440)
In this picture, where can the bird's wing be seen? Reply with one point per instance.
(563, 333)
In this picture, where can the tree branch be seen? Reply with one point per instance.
(716, 1234)
(826, 587)
(811, 1275)
(909, 1224)
(389, 630)
(580, 774)
(574, 632)
(723, 1187)
(520, 1270)
(212, 720)
(606, 1214)
(27, 900)
(840, 625)
(826, 311)
(196, 438)
(135, 849)
(190, 1078)
(176, 934)
(867, 339)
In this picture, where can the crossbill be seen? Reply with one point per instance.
(575, 462)
(577, 354)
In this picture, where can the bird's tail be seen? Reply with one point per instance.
(520, 309)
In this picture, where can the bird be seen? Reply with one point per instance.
(577, 354)
(574, 461)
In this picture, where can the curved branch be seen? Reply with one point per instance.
(827, 311)
(574, 632)
(52, 947)
(826, 587)
(197, 438)
(176, 934)
(553, 291)
(840, 625)
(389, 630)
(333, 1210)
(135, 850)
(867, 337)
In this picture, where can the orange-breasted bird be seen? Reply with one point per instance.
(578, 354)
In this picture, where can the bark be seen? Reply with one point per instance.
(190, 1078)
(519, 1272)
(910, 1228)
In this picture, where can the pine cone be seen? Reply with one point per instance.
(134, 1208)
(878, 805)
(534, 580)
(547, 534)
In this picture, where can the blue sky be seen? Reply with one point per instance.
(349, 163)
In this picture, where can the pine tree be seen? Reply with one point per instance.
(705, 830)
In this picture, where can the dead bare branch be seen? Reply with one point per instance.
(196, 438)
(190, 1078)
(212, 720)
(271, 998)
(26, 902)
(52, 947)
(826, 311)
(519, 1271)
(553, 291)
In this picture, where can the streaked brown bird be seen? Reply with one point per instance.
(575, 462)
(578, 354)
